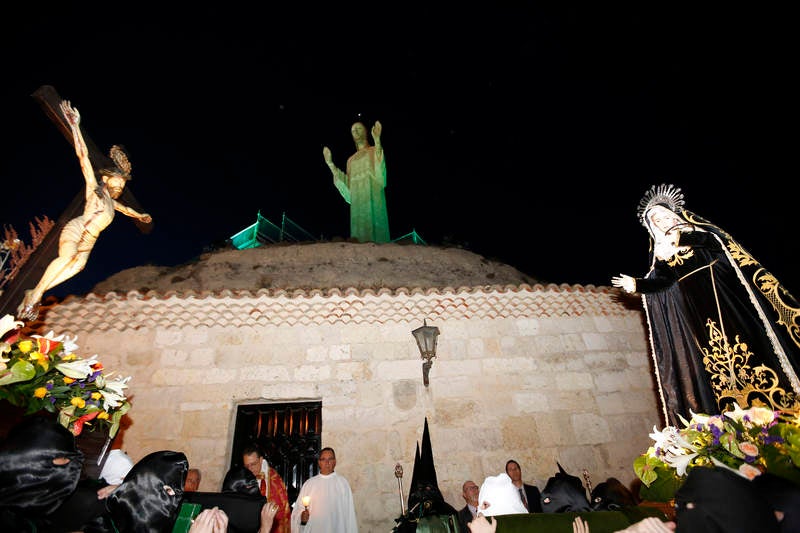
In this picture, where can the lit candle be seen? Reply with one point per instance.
(306, 501)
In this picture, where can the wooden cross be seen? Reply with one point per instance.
(33, 269)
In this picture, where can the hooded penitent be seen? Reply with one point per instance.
(717, 499)
(150, 496)
(499, 496)
(427, 510)
(564, 492)
(611, 495)
(40, 466)
(240, 480)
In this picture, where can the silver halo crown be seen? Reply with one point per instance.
(665, 194)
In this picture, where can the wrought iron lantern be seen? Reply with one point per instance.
(426, 337)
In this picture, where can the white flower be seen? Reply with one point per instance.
(698, 419)
(77, 369)
(662, 437)
(737, 413)
(113, 394)
(7, 323)
(117, 384)
(760, 416)
(679, 461)
(111, 399)
(670, 440)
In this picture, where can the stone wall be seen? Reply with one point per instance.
(535, 373)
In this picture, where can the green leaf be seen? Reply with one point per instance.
(644, 467)
(729, 442)
(663, 488)
(20, 371)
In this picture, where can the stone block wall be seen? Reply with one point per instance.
(540, 374)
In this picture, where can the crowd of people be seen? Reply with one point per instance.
(43, 488)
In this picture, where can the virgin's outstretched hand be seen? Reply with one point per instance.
(625, 282)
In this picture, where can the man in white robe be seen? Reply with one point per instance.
(325, 502)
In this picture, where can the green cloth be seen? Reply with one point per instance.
(599, 521)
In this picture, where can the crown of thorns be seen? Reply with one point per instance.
(120, 158)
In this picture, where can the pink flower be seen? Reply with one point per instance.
(749, 449)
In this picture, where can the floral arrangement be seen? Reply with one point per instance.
(43, 373)
(748, 441)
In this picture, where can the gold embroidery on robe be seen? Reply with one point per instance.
(733, 379)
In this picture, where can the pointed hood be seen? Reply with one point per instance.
(424, 496)
(427, 469)
(414, 473)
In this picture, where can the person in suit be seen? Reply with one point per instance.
(469, 490)
(529, 494)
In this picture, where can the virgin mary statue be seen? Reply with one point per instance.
(723, 330)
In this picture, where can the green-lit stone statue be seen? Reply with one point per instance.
(362, 186)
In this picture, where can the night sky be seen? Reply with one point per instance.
(526, 135)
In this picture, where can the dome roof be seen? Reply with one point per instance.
(320, 266)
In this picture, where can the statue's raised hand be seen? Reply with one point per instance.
(376, 130)
(326, 154)
(70, 113)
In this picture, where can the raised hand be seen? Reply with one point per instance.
(268, 512)
(70, 113)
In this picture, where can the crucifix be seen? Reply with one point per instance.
(66, 248)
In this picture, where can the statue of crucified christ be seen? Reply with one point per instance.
(80, 234)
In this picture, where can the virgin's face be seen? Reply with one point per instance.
(663, 219)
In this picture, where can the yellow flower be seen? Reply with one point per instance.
(96, 396)
(41, 392)
(25, 346)
(69, 357)
(41, 359)
(78, 402)
(68, 380)
(103, 415)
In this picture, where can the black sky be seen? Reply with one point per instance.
(526, 135)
